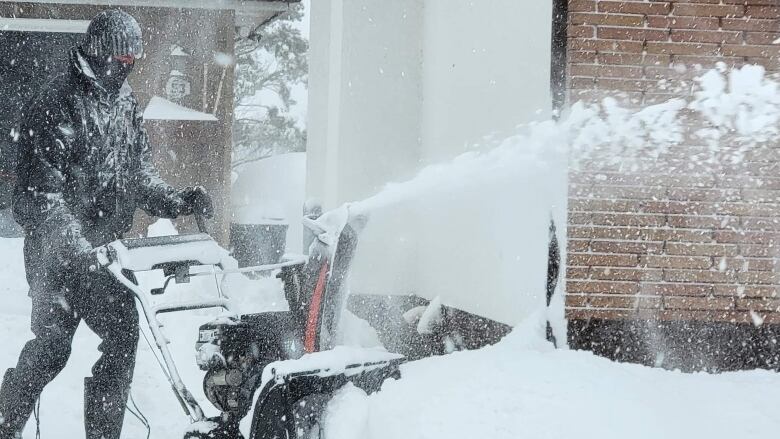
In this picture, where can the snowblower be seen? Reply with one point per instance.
(282, 364)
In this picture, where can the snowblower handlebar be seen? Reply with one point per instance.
(174, 255)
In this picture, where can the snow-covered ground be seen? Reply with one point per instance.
(518, 388)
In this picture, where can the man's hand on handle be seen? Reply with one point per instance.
(197, 201)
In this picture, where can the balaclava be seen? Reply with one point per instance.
(112, 43)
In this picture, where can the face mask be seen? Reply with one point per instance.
(112, 72)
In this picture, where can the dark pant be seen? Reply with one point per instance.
(108, 308)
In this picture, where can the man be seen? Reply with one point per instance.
(84, 168)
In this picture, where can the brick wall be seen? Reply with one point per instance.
(673, 239)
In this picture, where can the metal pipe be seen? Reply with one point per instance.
(188, 306)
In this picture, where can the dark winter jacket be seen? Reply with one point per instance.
(84, 167)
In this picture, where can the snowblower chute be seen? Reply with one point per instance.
(283, 363)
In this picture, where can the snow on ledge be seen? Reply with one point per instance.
(163, 109)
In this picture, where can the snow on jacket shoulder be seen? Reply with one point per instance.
(85, 164)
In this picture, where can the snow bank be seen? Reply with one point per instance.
(510, 391)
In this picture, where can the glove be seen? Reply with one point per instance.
(197, 201)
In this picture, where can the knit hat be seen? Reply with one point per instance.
(113, 32)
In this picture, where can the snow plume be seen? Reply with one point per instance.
(732, 112)
(742, 101)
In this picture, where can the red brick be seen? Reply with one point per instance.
(581, 31)
(640, 234)
(604, 260)
(742, 2)
(575, 56)
(750, 24)
(666, 315)
(709, 61)
(740, 237)
(708, 316)
(621, 84)
(633, 59)
(633, 34)
(700, 194)
(677, 207)
(760, 224)
(689, 249)
(606, 45)
(575, 314)
(579, 218)
(606, 19)
(576, 301)
(616, 192)
(628, 219)
(701, 10)
(702, 222)
(706, 36)
(772, 305)
(624, 302)
(579, 232)
(677, 180)
(625, 274)
(589, 205)
(741, 50)
(761, 37)
(603, 287)
(701, 23)
(763, 264)
(625, 7)
(699, 303)
(578, 82)
(684, 262)
(671, 73)
(626, 99)
(699, 276)
(673, 289)
(703, 236)
(759, 277)
(577, 273)
(748, 209)
(762, 11)
(605, 71)
(683, 48)
(582, 5)
(746, 290)
(577, 245)
(759, 251)
(627, 247)
(752, 264)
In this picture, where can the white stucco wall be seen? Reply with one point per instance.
(486, 69)
(395, 86)
(364, 96)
